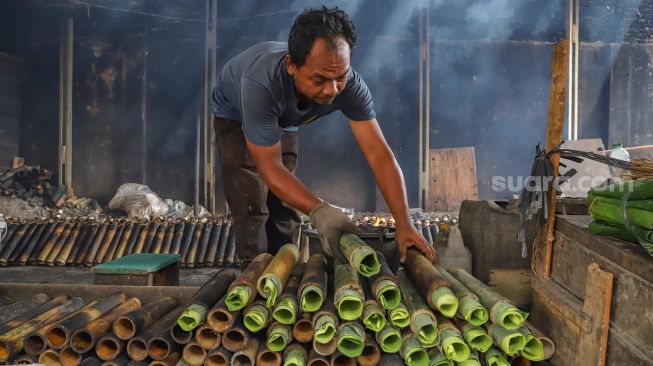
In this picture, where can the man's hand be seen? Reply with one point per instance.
(331, 224)
(407, 236)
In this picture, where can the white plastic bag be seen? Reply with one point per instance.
(138, 200)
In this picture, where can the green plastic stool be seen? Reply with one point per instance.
(141, 269)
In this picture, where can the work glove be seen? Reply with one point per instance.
(331, 223)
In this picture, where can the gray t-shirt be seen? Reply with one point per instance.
(255, 88)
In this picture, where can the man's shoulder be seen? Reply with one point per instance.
(263, 61)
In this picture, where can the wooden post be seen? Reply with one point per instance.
(592, 345)
(543, 246)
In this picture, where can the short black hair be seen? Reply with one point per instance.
(322, 22)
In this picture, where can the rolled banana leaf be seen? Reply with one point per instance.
(326, 322)
(510, 341)
(373, 312)
(384, 285)
(295, 355)
(476, 337)
(399, 316)
(351, 339)
(360, 255)
(313, 284)
(549, 346)
(256, 316)
(422, 320)
(494, 357)
(431, 284)
(349, 295)
(279, 336)
(389, 339)
(437, 358)
(452, 343)
(412, 351)
(473, 360)
(275, 276)
(243, 290)
(287, 308)
(533, 347)
(469, 306)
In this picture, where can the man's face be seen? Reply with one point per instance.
(325, 72)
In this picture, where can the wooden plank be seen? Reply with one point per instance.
(515, 284)
(543, 247)
(452, 178)
(593, 345)
(563, 304)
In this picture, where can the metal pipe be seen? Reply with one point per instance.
(129, 325)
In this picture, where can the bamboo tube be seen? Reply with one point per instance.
(433, 286)
(338, 359)
(302, 330)
(171, 360)
(549, 346)
(236, 338)
(161, 346)
(167, 240)
(373, 312)
(243, 290)
(26, 360)
(287, 307)
(533, 347)
(220, 318)
(33, 242)
(218, 357)
(14, 310)
(349, 295)
(256, 316)
(371, 355)
(123, 359)
(452, 343)
(314, 359)
(476, 337)
(97, 242)
(134, 322)
(195, 245)
(207, 338)
(246, 356)
(194, 354)
(77, 247)
(230, 255)
(360, 255)
(69, 357)
(203, 246)
(510, 341)
(205, 298)
(10, 246)
(469, 307)
(109, 347)
(295, 355)
(180, 336)
(389, 339)
(279, 336)
(392, 359)
(32, 312)
(326, 349)
(49, 244)
(189, 239)
(179, 235)
(422, 320)
(313, 284)
(124, 240)
(58, 245)
(35, 341)
(12, 255)
(437, 358)
(351, 339)
(67, 247)
(326, 322)
(106, 242)
(113, 247)
(265, 357)
(9, 235)
(86, 243)
(50, 357)
(502, 312)
(222, 247)
(134, 237)
(158, 238)
(91, 361)
(494, 357)
(32, 258)
(214, 241)
(275, 276)
(383, 285)
(399, 316)
(138, 347)
(181, 362)
(155, 226)
(142, 236)
(412, 351)
(84, 339)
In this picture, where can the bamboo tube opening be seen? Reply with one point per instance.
(50, 358)
(34, 344)
(194, 354)
(107, 349)
(269, 358)
(69, 357)
(303, 331)
(124, 328)
(234, 340)
(57, 337)
(220, 320)
(318, 362)
(371, 356)
(158, 348)
(4, 351)
(137, 349)
(179, 335)
(207, 338)
(217, 359)
(342, 360)
(241, 360)
(82, 341)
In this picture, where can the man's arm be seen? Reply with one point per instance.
(391, 183)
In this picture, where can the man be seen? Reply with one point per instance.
(261, 96)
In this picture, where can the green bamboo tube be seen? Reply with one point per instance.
(351, 339)
(437, 358)
(469, 306)
(287, 308)
(349, 296)
(422, 320)
(384, 285)
(412, 351)
(295, 355)
(502, 312)
(279, 336)
(432, 285)
(399, 316)
(313, 284)
(373, 312)
(256, 316)
(494, 357)
(359, 255)
(549, 346)
(325, 322)
(243, 290)
(389, 339)
(452, 343)
(510, 341)
(473, 360)
(476, 337)
(533, 347)
(275, 276)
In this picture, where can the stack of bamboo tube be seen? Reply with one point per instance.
(281, 311)
(87, 241)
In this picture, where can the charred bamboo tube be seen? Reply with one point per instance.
(426, 230)
(222, 247)
(205, 298)
(326, 349)
(138, 347)
(533, 347)
(432, 284)
(295, 355)
(171, 360)
(133, 238)
(162, 346)
(123, 359)
(212, 251)
(313, 284)
(203, 244)
(194, 354)
(66, 249)
(194, 246)
(384, 285)
(373, 312)
(302, 331)
(26, 360)
(275, 276)
(61, 242)
(476, 337)
(494, 357)
(325, 322)
(208, 338)
(34, 342)
(124, 240)
(437, 358)
(142, 236)
(510, 341)
(371, 355)
(86, 244)
(392, 359)
(473, 360)
(246, 356)
(399, 316)
(69, 357)
(502, 312)
(422, 320)
(106, 242)
(243, 290)
(91, 361)
(84, 339)
(10, 246)
(49, 245)
(95, 247)
(230, 256)
(188, 242)
(179, 235)
(159, 238)
(32, 243)
(77, 247)
(50, 357)
(412, 351)
(11, 230)
(452, 343)
(167, 240)
(279, 336)
(256, 316)
(115, 243)
(265, 357)
(220, 318)
(151, 236)
(109, 347)
(549, 346)
(14, 310)
(236, 338)
(389, 338)
(59, 336)
(338, 359)
(32, 258)
(314, 359)
(179, 335)
(469, 307)
(12, 255)
(32, 312)
(360, 255)
(349, 295)
(351, 339)
(218, 357)
(133, 323)
(287, 307)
